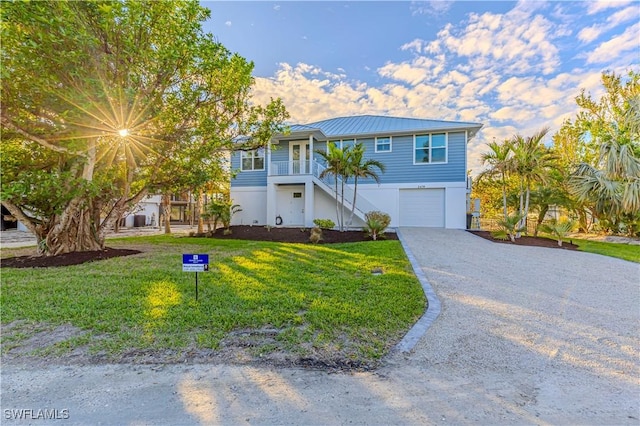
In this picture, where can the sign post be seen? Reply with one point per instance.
(195, 263)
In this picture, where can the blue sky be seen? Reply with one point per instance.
(513, 66)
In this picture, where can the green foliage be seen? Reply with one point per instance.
(317, 297)
(221, 210)
(324, 223)
(509, 227)
(76, 74)
(336, 165)
(358, 167)
(606, 176)
(376, 223)
(558, 228)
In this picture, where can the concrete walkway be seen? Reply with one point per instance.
(526, 336)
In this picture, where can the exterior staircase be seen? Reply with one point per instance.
(328, 184)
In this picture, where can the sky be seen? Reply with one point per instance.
(514, 67)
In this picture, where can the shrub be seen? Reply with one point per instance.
(324, 223)
(316, 235)
(559, 229)
(509, 228)
(376, 223)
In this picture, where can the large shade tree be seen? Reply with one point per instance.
(104, 101)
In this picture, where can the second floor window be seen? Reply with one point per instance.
(431, 148)
(252, 160)
(383, 144)
(342, 143)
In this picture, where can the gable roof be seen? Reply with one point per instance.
(376, 124)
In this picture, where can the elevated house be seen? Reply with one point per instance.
(425, 183)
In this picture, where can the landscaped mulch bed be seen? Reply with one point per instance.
(295, 235)
(66, 259)
(526, 240)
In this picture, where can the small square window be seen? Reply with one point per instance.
(383, 144)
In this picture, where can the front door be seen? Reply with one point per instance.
(296, 208)
(298, 155)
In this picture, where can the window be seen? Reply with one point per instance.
(252, 160)
(383, 144)
(342, 143)
(430, 148)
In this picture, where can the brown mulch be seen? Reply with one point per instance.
(527, 241)
(66, 259)
(294, 235)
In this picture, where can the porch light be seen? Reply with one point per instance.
(123, 132)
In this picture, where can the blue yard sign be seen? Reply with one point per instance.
(195, 262)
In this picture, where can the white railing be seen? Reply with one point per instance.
(286, 168)
(328, 182)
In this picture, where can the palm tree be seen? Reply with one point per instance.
(336, 159)
(358, 167)
(531, 161)
(498, 159)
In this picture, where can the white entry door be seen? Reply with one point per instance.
(298, 154)
(296, 208)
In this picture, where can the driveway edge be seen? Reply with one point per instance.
(421, 326)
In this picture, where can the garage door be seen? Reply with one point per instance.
(422, 207)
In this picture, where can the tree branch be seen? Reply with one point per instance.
(7, 123)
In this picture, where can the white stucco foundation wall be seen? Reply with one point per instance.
(253, 202)
(455, 199)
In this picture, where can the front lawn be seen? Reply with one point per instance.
(279, 302)
(628, 252)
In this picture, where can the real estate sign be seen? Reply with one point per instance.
(195, 262)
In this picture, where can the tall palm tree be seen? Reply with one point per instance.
(531, 161)
(358, 167)
(336, 159)
(499, 160)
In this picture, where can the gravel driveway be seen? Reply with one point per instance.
(525, 335)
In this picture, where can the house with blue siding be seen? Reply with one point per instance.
(425, 182)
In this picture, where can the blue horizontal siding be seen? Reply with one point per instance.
(247, 178)
(399, 167)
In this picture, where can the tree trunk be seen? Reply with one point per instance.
(78, 235)
(353, 205)
(166, 212)
(198, 212)
(541, 215)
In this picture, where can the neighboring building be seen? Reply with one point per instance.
(425, 183)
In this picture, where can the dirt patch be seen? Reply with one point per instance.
(66, 259)
(527, 241)
(294, 235)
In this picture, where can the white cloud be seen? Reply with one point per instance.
(228, 23)
(598, 6)
(276, 7)
(629, 41)
(591, 33)
(490, 69)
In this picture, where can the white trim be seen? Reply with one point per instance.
(375, 144)
(446, 148)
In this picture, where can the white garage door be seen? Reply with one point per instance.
(422, 207)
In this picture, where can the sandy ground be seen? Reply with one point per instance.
(526, 335)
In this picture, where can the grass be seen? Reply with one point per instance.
(623, 251)
(319, 300)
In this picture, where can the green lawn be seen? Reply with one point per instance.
(623, 251)
(293, 299)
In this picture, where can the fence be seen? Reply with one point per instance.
(492, 224)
